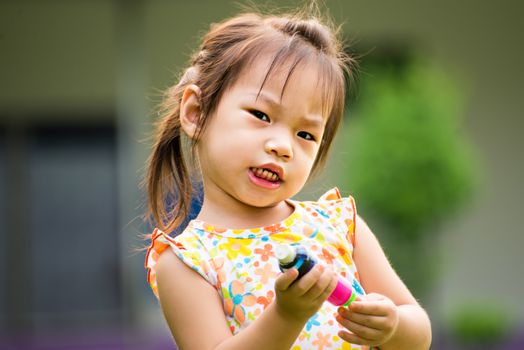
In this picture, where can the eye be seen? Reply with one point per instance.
(260, 115)
(306, 136)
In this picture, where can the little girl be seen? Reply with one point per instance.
(260, 105)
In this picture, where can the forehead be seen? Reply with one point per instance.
(287, 83)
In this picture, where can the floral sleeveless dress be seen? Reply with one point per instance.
(241, 265)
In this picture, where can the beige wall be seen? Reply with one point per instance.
(57, 55)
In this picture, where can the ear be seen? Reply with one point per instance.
(190, 110)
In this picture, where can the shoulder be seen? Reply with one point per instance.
(340, 211)
(187, 248)
(337, 204)
(331, 200)
(189, 304)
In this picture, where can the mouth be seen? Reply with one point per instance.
(266, 174)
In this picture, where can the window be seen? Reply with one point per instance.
(69, 275)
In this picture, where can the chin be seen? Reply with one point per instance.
(260, 201)
(261, 204)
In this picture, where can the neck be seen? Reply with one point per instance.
(237, 215)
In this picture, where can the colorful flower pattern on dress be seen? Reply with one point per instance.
(235, 304)
(241, 264)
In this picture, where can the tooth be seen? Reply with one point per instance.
(259, 172)
(266, 173)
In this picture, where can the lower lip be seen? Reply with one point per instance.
(263, 183)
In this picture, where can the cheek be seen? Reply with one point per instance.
(307, 163)
(224, 154)
(309, 152)
(304, 166)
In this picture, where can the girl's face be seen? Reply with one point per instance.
(258, 150)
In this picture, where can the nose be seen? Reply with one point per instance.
(280, 145)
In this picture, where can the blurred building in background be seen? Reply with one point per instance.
(78, 84)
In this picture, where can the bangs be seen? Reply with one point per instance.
(296, 53)
(286, 54)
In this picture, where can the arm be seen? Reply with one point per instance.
(195, 316)
(389, 317)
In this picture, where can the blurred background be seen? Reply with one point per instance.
(431, 149)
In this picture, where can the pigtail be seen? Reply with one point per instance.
(168, 181)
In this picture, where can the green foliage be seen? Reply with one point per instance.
(406, 161)
(479, 323)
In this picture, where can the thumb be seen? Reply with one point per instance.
(286, 279)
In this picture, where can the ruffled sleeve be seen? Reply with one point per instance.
(187, 248)
(346, 212)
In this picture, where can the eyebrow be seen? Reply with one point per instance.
(267, 98)
(313, 121)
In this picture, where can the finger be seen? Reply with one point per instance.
(370, 321)
(375, 308)
(329, 289)
(356, 316)
(359, 330)
(324, 286)
(353, 338)
(303, 285)
(283, 282)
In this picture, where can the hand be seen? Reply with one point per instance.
(301, 299)
(370, 321)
